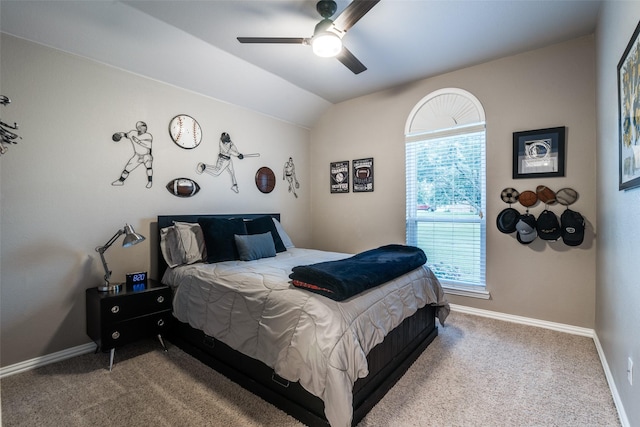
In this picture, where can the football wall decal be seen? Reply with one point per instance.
(183, 187)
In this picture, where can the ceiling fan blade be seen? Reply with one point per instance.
(352, 13)
(288, 40)
(350, 61)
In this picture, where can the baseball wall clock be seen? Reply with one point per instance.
(185, 131)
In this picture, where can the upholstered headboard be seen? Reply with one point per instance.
(167, 221)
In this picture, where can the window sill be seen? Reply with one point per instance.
(466, 291)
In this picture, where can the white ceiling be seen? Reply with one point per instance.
(192, 44)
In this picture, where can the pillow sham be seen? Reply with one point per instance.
(286, 240)
(263, 224)
(182, 243)
(191, 239)
(169, 246)
(219, 237)
(255, 246)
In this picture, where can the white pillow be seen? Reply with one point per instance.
(286, 240)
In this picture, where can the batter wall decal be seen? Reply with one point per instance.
(224, 161)
(141, 142)
(289, 173)
(7, 136)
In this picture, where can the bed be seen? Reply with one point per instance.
(285, 343)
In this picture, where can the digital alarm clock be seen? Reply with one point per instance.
(137, 279)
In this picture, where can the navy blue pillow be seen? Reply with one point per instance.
(264, 224)
(219, 237)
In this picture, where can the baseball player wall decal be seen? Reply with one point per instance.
(141, 142)
(289, 173)
(7, 136)
(225, 161)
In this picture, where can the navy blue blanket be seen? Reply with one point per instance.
(345, 278)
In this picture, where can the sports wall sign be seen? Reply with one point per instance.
(363, 175)
(339, 176)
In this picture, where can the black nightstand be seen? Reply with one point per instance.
(118, 318)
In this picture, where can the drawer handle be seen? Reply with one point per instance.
(160, 299)
(115, 309)
(115, 335)
(279, 380)
(161, 322)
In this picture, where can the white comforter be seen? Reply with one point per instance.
(304, 337)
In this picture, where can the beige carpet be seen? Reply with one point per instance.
(477, 372)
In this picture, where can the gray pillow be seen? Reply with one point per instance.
(182, 243)
(255, 246)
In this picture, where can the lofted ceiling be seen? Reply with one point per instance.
(193, 45)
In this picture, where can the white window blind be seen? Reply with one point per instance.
(445, 179)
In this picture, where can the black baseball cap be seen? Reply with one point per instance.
(572, 227)
(548, 226)
(507, 220)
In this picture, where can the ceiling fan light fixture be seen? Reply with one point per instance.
(326, 44)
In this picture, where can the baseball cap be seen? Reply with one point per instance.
(526, 228)
(548, 226)
(507, 220)
(572, 228)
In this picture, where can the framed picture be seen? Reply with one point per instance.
(339, 177)
(629, 114)
(539, 153)
(363, 175)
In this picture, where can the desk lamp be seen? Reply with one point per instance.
(131, 238)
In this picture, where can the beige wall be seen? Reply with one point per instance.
(617, 285)
(549, 87)
(57, 203)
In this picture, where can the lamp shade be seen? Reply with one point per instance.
(131, 237)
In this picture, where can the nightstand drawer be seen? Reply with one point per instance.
(127, 306)
(121, 333)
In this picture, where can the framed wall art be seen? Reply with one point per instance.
(339, 176)
(629, 114)
(363, 175)
(539, 153)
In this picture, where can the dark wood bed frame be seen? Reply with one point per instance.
(388, 361)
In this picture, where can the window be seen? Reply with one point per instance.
(446, 180)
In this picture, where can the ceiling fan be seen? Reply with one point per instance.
(327, 36)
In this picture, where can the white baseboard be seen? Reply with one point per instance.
(612, 385)
(560, 327)
(47, 359)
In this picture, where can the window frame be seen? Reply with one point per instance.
(427, 128)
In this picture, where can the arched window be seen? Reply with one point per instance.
(446, 180)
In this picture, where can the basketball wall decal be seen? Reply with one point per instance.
(265, 180)
(183, 187)
(528, 198)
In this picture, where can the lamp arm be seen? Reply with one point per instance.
(102, 249)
